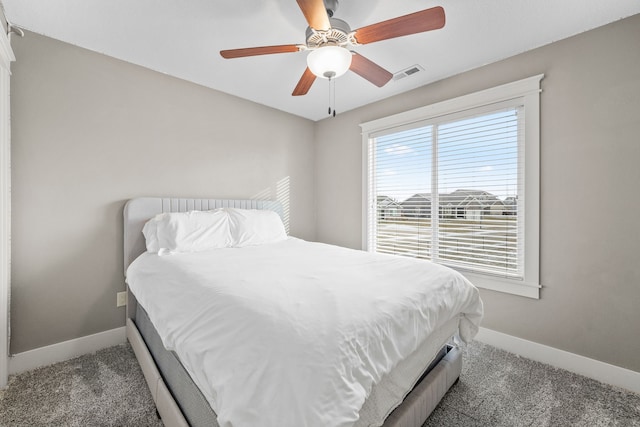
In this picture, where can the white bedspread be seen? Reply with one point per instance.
(296, 333)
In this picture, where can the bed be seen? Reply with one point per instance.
(398, 389)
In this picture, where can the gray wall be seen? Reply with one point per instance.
(590, 155)
(90, 132)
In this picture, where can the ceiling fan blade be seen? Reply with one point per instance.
(305, 83)
(369, 70)
(263, 50)
(418, 22)
(315, 13)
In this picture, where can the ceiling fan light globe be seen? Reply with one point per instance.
(329, 61)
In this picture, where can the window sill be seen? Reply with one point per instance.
(514, 287)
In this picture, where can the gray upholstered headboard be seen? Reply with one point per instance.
(138, 211)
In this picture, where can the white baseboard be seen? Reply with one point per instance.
(65, 350)
(601, 371)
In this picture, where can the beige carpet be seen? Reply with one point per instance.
(102, 389)
(496, 389)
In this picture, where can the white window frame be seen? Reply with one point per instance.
(527, 93)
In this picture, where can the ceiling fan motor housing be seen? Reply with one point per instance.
(337, 35)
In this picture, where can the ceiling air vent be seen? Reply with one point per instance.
(407, 72)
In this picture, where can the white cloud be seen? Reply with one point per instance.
(398, 149)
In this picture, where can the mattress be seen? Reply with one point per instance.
(295, 334)
(192, 403)
(382, 400)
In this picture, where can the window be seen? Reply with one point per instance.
(458, 183)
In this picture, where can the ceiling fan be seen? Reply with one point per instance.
(327, 38)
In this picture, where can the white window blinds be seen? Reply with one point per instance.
(452, 190)
(401, 182)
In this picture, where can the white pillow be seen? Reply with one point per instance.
(150, 231)
(194, 231)
(255, 227)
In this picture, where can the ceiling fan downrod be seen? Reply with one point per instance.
(331, 6)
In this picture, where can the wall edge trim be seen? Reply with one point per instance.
(595, 369)
(591, 368)
(65, 350)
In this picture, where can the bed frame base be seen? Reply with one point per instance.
(425, 396)
(168, 409)
(413, 412)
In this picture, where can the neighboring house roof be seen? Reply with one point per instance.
(472, 202)
(511, 200)
(389, 204)
(464, 198)
(386, 201)
(460, 198)
(417, 199)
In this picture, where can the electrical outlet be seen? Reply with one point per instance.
(121, 299)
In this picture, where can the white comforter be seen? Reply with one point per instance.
(296, 333)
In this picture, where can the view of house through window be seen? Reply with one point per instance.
(451, 190)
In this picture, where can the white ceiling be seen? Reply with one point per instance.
(182, 38)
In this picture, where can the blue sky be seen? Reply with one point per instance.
(474, 153)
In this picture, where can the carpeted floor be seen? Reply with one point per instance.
(496, 389)
(102, 389)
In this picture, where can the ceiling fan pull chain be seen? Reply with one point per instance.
(332, 97)
(333, 93)
(330, 103)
